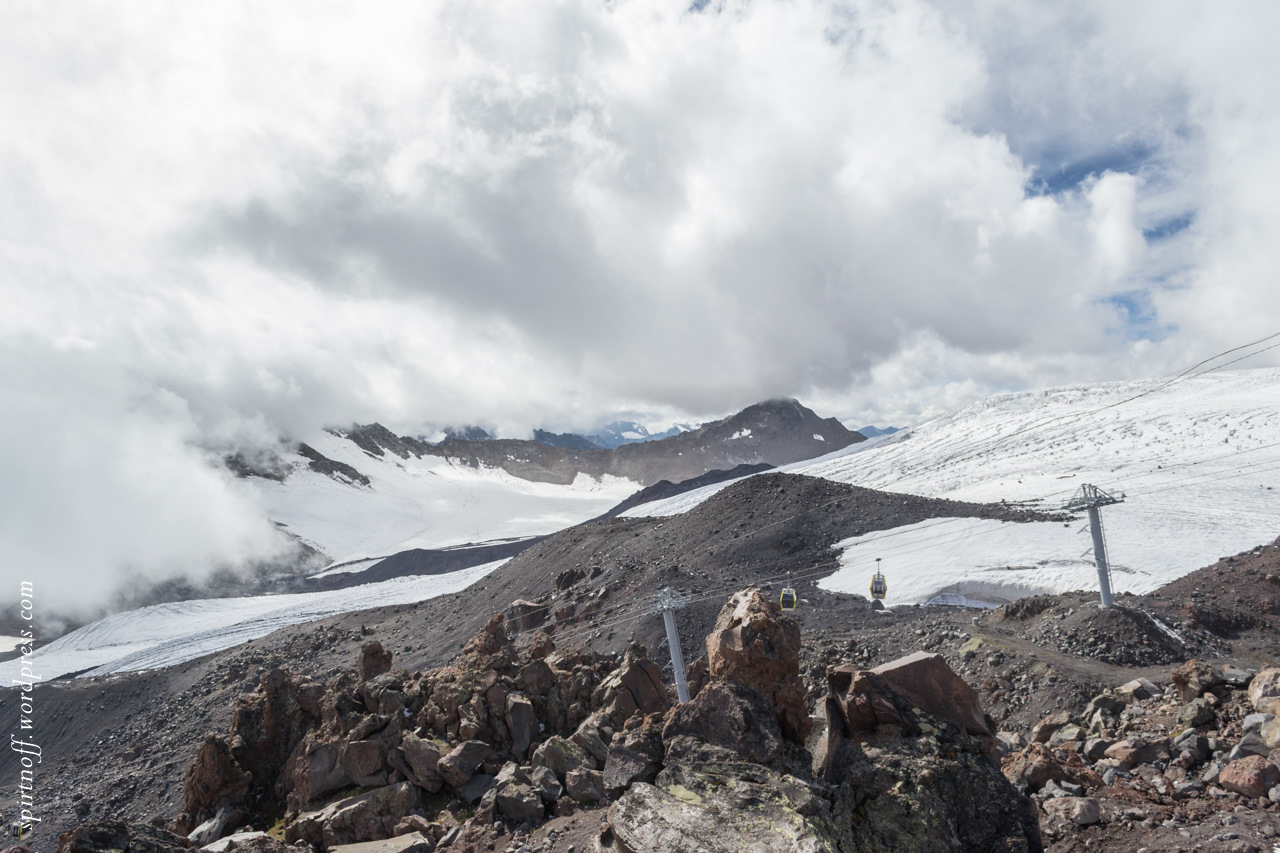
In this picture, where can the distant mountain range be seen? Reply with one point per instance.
(774, 432)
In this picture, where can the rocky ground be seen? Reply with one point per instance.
(118, 748)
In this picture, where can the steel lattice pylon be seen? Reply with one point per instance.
(1090, 498)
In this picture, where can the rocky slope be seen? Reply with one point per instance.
(118, 748)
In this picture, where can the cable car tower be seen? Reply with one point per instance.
(879, 588)
(1091, 498)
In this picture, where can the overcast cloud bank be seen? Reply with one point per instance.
(226, 223)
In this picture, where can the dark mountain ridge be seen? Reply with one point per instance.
(775, 432)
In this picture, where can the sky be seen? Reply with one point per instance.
(225, 223)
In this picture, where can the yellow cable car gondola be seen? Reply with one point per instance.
(879, 588)
(787, 601)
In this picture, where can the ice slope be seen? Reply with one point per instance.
(1199, 462)
(423, 503)
(166, 634)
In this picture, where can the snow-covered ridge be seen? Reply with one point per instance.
(427, 502)
(1199, 461)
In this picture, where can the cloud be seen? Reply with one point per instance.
(229, 222)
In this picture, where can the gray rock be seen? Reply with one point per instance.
(1255, 721)
(474, 788)
(522, 722)
(1137, 690)
(1197, 712)
(561, 756)
(1236, 677)
(624, 767)
(585, 786)
(1211, 773)
(365, 762)
(463, 761)
(520, 802)
(1251, 744)
(544, 781)
(1082, 811)
(1094, 748)
(413, 842)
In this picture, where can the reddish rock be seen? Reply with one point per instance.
(728, 715)
(214, 780)
(635, 687)
(1193, 678)
(755, 645)
(930, 685)
(1033, 767)
(1047, 727)
(1134, 751)
(1252, 776)
(461, 764)
(373, 661)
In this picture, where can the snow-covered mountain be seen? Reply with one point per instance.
(619, 433)
(418, 501)
(1198, 461)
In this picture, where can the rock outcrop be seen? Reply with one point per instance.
(755, 645)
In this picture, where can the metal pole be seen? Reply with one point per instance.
(677, 659)
(1100, 556)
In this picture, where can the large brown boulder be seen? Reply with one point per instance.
(755, 645)
(727, 715)
(929, 684)
(374, 660)
(1252, 776)
(1194, 678)
(634, 687)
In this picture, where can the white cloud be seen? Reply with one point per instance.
(536, 213)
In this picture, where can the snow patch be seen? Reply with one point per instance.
(167, 634)
(818, 437)
(742, 433)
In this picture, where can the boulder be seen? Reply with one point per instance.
(364, 762)
(365, 817)
(519, 802)
(475, 788)
(1133, 751)
(522, 723)
(589, 737)
(255, 840)
(463, 761)
(373, 661)
(1042, 731)
(315, 771)
(1252, 776)
(1195, 677)
(585, 786)
(423, 757)
(1251, 744)
(214, 781)
(522, 616)
(728, 715)
(117, 835)
(1137, 690)
(413, 842)
(929, 684)
(1264, 691)
(544, 781)
(560, 756)
(1082, 811)
(1033, 767)
(1197, 712)
(1269, 732)
(634, 687)
(755, 645)
(625, 766)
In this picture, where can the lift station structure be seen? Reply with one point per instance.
(1091, 498)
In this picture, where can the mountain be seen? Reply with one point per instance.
(774, 432)
(619, 433)
(1198, 461)
(568, 440)
(872, 432)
